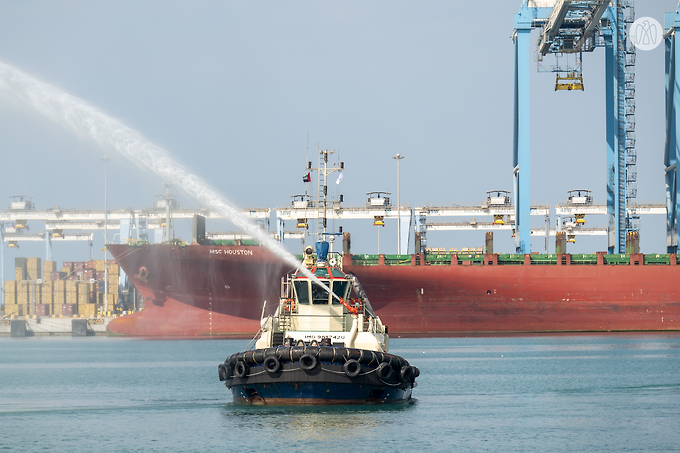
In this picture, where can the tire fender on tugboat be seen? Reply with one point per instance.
(241, 370)
(352, 368)
(222, 372)
(272, 364)
(308, 362)
(384, 371)
(406, 373)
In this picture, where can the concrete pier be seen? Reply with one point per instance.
(44, 326)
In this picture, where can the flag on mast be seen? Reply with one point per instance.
(307, 177)
(339, 180)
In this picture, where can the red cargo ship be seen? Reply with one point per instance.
(205, 290)
(198, 290)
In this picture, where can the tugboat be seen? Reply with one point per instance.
(320, 347)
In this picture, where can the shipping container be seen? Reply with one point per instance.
(47, 293)
(33, 268)
(16, 310)
(85, 298)
(20, 273)
(22, 291)
(113, 300)
(71, 297)
(10, 298)
(58, 298)
(87, 310)
(100, 264)
(42, 309)
(56, 309)
(23, 286)
(86, 287)
(49, 267)
(59, 285)
(86, 291)
(56, 275)
(68, 310)
(113, 282)
(10, 286)
(12, 310)
(71, 286)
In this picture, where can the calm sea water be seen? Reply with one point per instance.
(613, 392)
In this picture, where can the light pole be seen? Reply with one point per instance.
(106, 240)
(2, 259)
(398, 157)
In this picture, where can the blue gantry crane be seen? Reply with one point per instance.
(672, 148)
(567, 28)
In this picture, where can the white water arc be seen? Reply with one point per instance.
(76, 115)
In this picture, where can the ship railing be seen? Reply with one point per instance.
(373, 325)
(479, 259)
(374, 260)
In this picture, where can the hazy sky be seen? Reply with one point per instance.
(231, 89)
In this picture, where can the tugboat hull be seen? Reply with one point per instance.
(317, 394)
(311, 375)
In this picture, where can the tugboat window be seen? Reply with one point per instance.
(302, 291)
(340, 289)
(319, 295)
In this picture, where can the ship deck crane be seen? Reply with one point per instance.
(568, 28)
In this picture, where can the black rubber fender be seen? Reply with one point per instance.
(354, 353)
(384, 371)
(241, 370)
(308, 362)
(406, 373)
(314, 350)
(222, 372)
(258, 356)
(272, 364)
(296, 352)
(352, 368)
(326, 354)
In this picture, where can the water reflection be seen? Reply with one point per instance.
(315, 423)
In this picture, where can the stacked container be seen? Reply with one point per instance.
(48, 268)
(33, 268)
(10, 297)
(58, 292)
(78, 288)
(20, 269)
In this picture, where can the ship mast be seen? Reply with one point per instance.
(323, 191)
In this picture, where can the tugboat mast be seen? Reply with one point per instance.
(323, 191)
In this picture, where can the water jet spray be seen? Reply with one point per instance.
(77, 116)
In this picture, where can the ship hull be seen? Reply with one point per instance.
(203, 291)
(531, 298)
(199, 291)
(316, 394)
